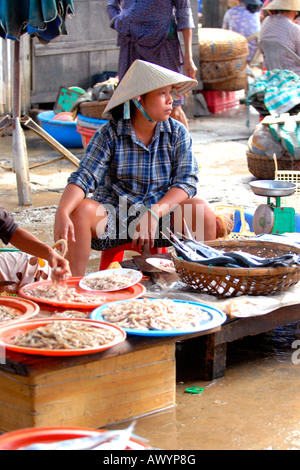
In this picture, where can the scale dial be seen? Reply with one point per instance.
(263, 219)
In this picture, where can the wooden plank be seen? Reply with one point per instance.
(240, 328)
(204, 358)
(215, 360)
(75, 47)
(16, 387)
(250, 326)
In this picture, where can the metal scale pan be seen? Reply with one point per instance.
(273, 188)
(267, 217)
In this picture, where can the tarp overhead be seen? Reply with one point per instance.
(43, 18)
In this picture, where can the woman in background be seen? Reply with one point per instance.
(281, 26)
(244, 19)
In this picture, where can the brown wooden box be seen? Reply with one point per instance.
(87, 391)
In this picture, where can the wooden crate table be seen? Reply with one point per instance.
(93, 390)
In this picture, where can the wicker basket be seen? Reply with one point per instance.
(234, 83)
(222, 69)
(263, 166)
(217, 44)
(92, 109)
(230, 282)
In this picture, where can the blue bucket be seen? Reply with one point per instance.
(64, 132)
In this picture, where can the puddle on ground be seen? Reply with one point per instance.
(255, 406)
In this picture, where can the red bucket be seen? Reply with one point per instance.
(86, 134)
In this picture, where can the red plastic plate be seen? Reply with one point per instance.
(19, 328)
(99, 298)
(26, 308)
(19, 439)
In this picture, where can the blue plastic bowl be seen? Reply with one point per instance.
(84, 121)
(63, 131)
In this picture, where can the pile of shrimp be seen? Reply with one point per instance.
(59, 293)
(148, 314)
(109, 282)
(8, 313)
(71, 314)
(64, 335)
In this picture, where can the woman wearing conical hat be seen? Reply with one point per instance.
(280, 26)
(139, 167)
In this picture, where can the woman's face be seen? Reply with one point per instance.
(158, 103)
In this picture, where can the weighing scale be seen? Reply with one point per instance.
(271, 217)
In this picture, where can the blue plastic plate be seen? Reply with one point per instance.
(216, 318)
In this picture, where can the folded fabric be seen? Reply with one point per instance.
(281, 90)
(288, 134)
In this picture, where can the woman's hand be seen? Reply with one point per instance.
(63, 227)
(190, 67)
(146, 230)
(60, 267)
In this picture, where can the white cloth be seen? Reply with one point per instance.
(22, 269)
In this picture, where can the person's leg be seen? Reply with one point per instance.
(89, 219)
(199, 217)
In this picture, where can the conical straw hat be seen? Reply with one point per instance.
(293, 5)
(143, 77)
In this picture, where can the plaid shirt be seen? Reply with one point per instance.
(118, 165)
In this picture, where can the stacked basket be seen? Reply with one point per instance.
(223, 59)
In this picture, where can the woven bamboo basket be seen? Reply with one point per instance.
(263, 166)
(92, 109)
(223, 55)
(217, 44)
(222, 69)
(231, 282)
(234, 83)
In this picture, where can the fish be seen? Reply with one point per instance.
(187, 253)
(200, 248)
(194, 251)
(252, 261)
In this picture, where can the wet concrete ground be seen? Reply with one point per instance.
(256, 405)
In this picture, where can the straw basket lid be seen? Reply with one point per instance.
(293, 5)
(252, 2)
(143, 77)
(218, 44)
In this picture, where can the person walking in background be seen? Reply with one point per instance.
(245, 19)
(281, 26)
(148, 30)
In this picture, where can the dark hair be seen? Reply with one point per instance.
(253, 8)
(117, 112)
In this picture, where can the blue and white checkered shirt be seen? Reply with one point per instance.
(118, 165)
